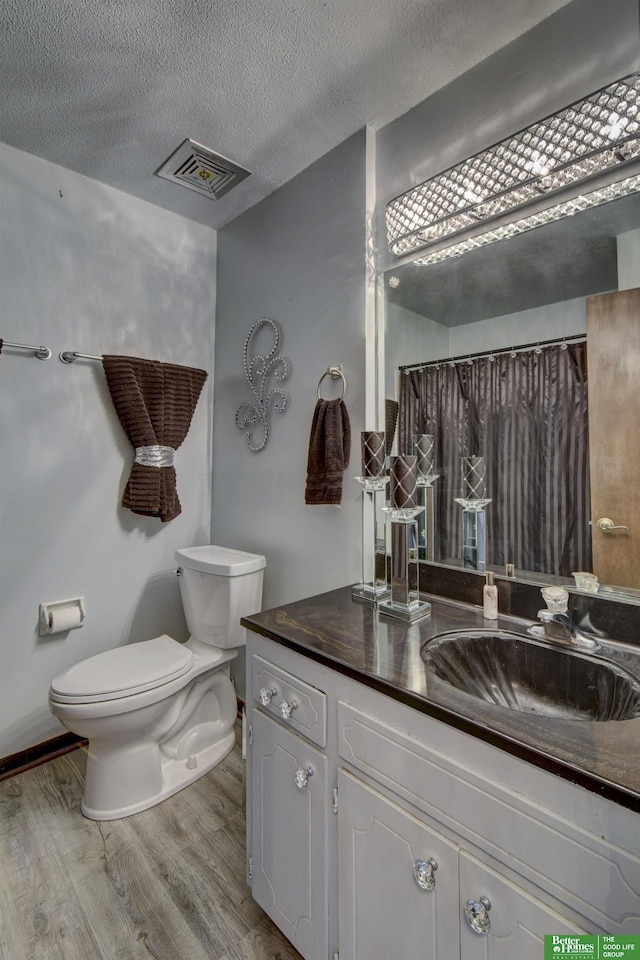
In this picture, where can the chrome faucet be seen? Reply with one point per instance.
(560, 628)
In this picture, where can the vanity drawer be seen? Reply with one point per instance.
(574, 866)
(295, 703)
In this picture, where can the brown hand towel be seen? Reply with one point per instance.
(155, 403)
(329, 451)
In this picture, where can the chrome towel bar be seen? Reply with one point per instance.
(42, 353)
(68, 356)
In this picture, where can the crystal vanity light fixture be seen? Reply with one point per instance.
(591, 137)
(623, 188)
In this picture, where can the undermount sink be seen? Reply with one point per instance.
(521, 673)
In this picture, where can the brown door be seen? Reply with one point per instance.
(613, 352)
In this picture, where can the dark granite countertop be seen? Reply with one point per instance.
(352, 637)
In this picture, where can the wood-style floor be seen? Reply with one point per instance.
(166, 884)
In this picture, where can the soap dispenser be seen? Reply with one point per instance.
(490, 598)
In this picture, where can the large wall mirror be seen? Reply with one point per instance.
(491, 353)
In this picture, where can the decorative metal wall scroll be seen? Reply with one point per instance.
(257, 371)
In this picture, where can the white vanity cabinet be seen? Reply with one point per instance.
(419, 832)
(397, 880)
(406, 890)
(501, 920)
(289, 800)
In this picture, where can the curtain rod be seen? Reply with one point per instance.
(469, 357)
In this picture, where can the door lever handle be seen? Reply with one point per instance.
(608, 526)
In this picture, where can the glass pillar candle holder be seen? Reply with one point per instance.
(473, 501)
(374, 553)
(424, 447)
(426, 519)
(373, 453)
(474, 533)
(403, 482)
(404, 602)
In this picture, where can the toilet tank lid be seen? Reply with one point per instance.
(222, 561)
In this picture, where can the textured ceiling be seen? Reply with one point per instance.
(109, 88)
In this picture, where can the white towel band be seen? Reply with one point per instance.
(155, 455)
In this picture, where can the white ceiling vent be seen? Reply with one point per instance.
(200, 169)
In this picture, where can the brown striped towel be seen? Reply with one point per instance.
(329, 451)
(155, 403)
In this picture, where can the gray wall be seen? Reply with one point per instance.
(97, 271)
(297, 257)
(580, 48)
(414, 339)
(410, 338)
(629, 260)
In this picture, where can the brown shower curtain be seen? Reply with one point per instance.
(527, 414)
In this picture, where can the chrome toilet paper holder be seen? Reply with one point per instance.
(61, 616)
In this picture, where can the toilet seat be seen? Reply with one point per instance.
(123, 672)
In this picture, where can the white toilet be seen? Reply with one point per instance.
(159, 714)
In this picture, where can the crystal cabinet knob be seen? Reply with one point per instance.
(265, 696)
(286, 708)
(424, 872)
(476, 913)
(301, 777)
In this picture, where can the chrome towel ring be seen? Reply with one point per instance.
(335, 373)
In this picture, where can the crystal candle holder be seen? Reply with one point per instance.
(373, 543)
(474, 532)
(404, 602)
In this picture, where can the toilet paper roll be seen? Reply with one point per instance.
(65, 618)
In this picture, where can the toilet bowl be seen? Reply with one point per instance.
(159, 714)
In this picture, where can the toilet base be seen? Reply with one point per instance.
(175, 775)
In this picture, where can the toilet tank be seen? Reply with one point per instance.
(218, 586)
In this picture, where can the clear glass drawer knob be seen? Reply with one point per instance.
(301, 777)
(424, 872)
(265, 696)
(477, 914)
(286, 708)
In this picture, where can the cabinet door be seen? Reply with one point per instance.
(289, 837)
(517, 921)
(383, 911)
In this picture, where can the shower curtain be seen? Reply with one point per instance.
(527, 414)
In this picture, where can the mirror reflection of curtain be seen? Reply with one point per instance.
(528, 416)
